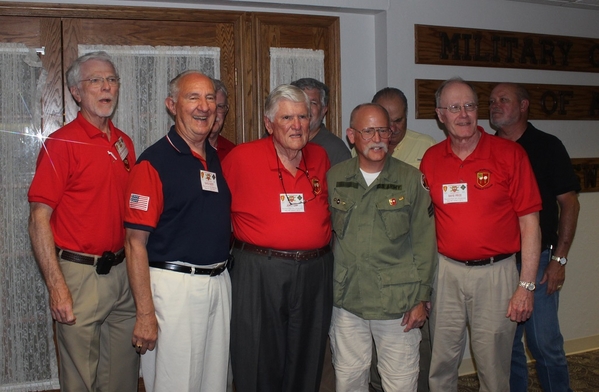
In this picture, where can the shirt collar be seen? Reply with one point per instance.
(91, 130)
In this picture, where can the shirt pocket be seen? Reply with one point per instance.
(339, 282)
(341, 209)
(395, 214)
(399, 288)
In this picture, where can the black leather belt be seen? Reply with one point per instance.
(490, 260)
(298, 255)
(188, 270)
(88, 260)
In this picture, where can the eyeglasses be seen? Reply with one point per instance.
(98, 82)
(222, 107)
(469, 107)
(368, 133)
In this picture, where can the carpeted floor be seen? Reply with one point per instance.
(584, 375)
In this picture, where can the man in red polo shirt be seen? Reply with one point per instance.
(282, 277)
(486, 209)
(221, 144)
(77, 201)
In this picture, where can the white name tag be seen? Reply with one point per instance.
(208, 181)
(455, 193)
(292, 202)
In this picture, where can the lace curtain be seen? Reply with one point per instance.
(145, 72)
(27, 353)
(287, 65)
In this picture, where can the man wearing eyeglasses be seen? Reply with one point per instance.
(385, 255)
(77, 204)
(408, 146)
(221, 144)
(486, 209)
(282, 277)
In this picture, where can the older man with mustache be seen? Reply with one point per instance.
(385, 256)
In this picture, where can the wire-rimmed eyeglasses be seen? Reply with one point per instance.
(368, 133)
(469, 107)
(98, 82)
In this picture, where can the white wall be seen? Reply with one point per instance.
(377, 49)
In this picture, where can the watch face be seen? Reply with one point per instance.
(563, 260)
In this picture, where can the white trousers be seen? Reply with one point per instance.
(192, 350)
(351, 344)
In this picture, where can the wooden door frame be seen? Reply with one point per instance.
(332, 64)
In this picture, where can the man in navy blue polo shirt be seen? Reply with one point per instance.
(178, 222)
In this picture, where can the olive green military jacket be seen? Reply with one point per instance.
(385, 247)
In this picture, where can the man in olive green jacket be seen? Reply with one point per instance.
(385, 256)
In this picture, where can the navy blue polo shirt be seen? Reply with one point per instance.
(191, 224)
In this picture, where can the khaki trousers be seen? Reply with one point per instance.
(96, 353)
(478, 298)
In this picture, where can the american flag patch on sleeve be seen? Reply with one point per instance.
(139, 202)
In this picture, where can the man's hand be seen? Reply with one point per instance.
(415, 317)
(520, 306)
(61, 305)
(555, 276)
(145, 333)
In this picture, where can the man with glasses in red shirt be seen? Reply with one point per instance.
(282, 275)
(221, 144)
(77, 201)
(385, 256)
(486, 209)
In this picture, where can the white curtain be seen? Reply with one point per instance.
(27, 353)
(287, 65)
(145, 72)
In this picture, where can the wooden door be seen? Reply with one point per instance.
(297, 31)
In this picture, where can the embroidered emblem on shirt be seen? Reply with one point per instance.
(483, 178)
(139, 202)
(424, 183)
(316, 186)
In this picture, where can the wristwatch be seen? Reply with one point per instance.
(561, 260)
(530, 286)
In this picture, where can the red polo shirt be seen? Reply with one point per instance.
(253, 176)
(81, 175)
(500, 188)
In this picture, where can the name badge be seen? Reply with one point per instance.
(208, 181)
(123, 151)
(292, 202)
(455, 193)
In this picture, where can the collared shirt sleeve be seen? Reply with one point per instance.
(144, 198)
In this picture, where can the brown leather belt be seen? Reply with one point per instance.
(298, 255)
(490, 260)
(88, 260)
